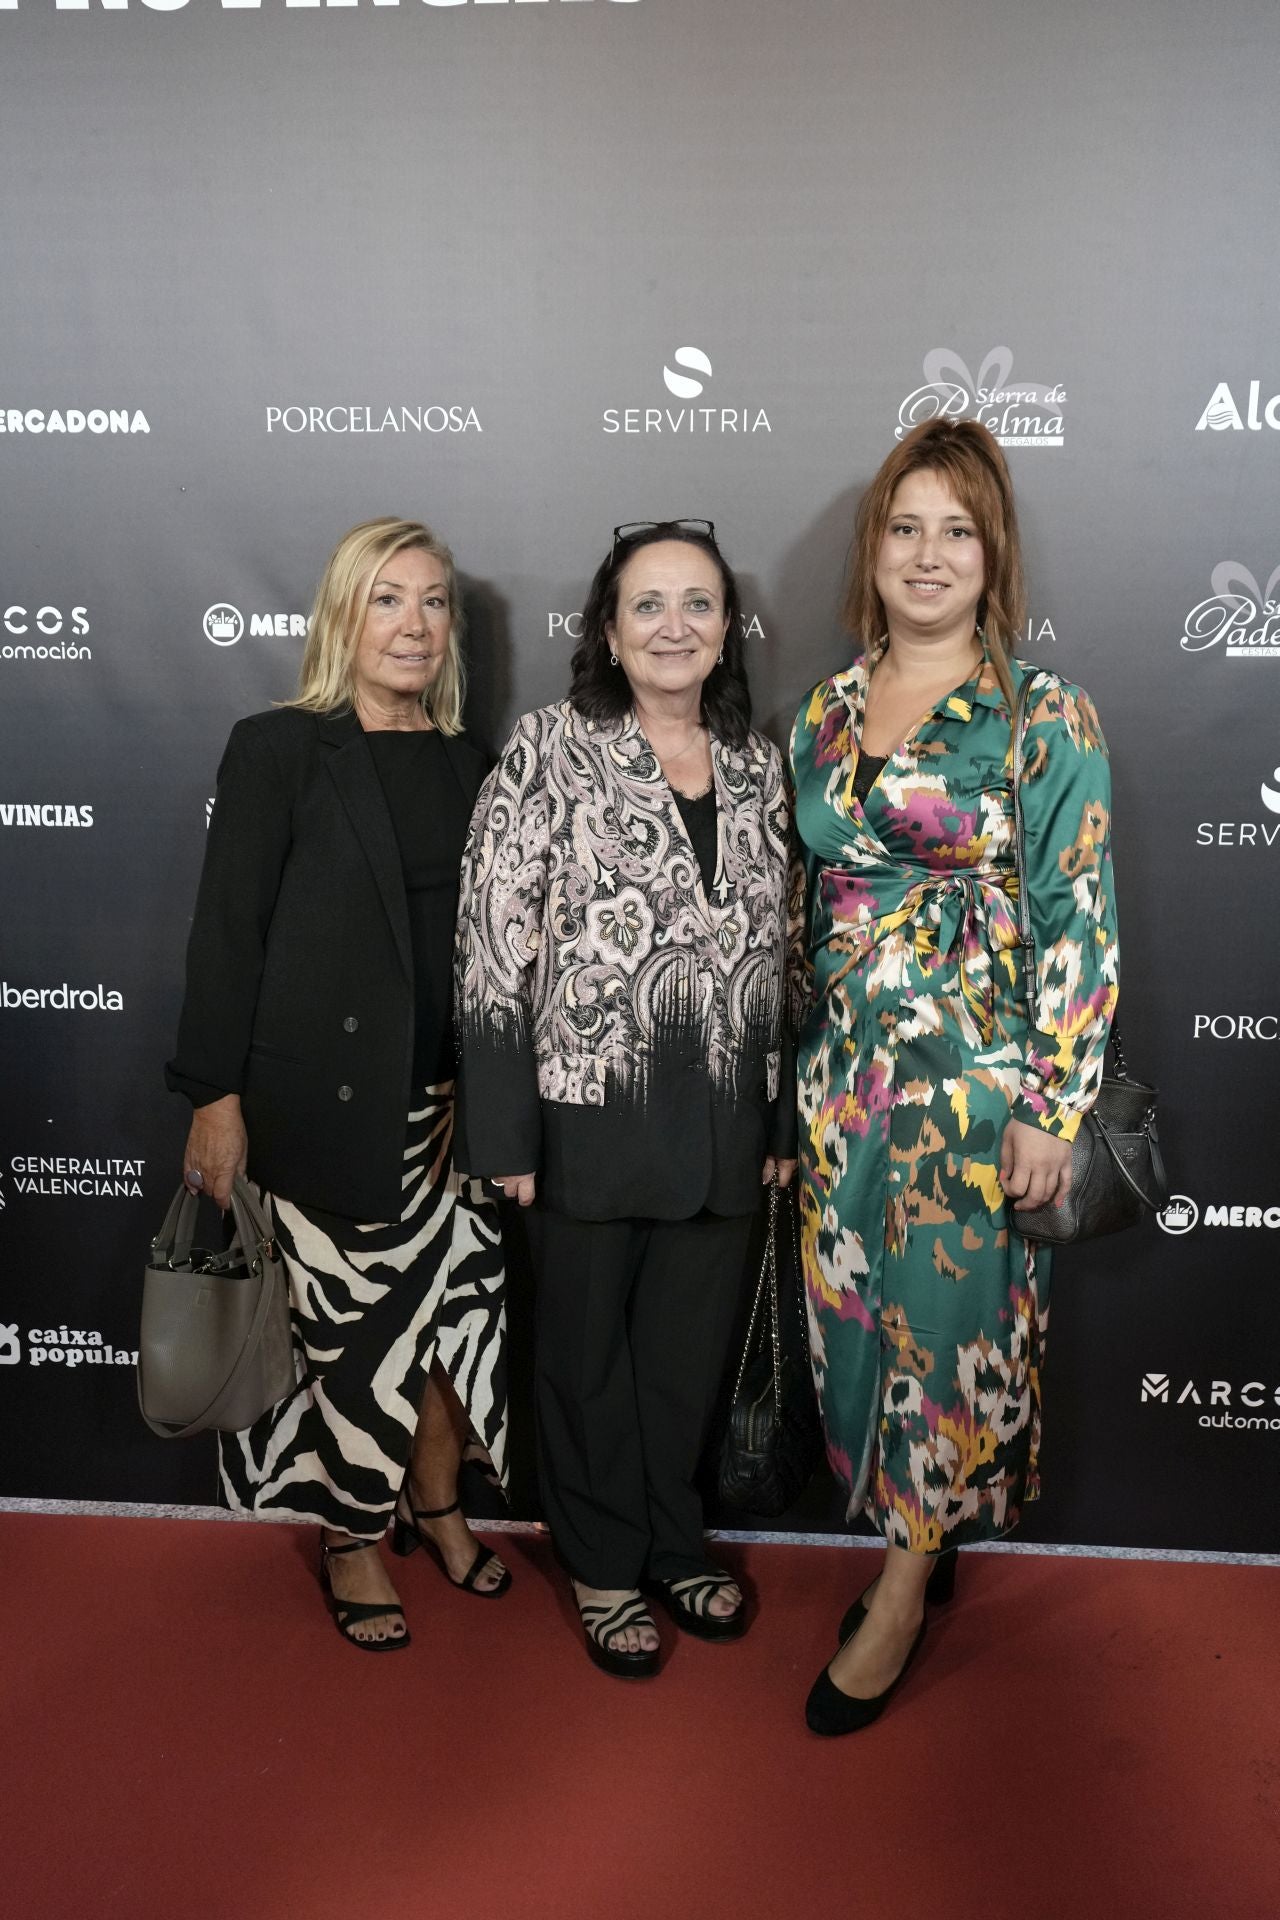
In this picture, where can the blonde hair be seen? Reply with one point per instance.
(969, 459)
(326, 681)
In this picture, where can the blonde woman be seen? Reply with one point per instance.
(316, 1048)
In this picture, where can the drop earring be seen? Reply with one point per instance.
(613, 659)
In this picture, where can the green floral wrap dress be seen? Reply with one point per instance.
(927, 1315)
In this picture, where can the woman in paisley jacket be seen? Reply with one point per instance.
(619, 980)
(934, 1103)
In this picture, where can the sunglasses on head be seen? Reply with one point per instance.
(632, 530)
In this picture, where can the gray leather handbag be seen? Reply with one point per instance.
(215, 1349)
(1116, 1167)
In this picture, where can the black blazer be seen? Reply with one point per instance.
(300, 969)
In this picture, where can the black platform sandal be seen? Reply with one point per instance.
(688, 1601)
(601, 1620)
(939, 1588)
(407, 1534)
(349, 1613)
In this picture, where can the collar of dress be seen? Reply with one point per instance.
(981, 689)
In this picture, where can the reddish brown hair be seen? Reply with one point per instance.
(968, 458)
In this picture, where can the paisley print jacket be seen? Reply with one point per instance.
(619, 1028)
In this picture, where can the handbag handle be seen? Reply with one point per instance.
(251, 1230)
(1157, 1162)
(1026, 932)
(172, 1244)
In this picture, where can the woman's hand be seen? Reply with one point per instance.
(517, 1186)
(783, 1169)
(217, 1148)
(1035, 1167)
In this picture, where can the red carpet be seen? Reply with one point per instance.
(185, 1735)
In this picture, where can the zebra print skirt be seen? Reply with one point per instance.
(373, 1307)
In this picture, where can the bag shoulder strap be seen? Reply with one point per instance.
(1157, 1163)
(1026, 931)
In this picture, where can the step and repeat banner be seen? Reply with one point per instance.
(529, 269)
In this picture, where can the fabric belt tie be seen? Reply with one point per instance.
(955, 915)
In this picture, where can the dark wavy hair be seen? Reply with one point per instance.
(601, 691)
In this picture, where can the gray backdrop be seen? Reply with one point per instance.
(232, 235)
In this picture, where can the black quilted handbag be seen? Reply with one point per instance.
(1116, 1168)
(773, 1438)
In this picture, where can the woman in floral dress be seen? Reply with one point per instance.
(933, 1104)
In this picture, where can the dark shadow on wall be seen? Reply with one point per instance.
(804, 640)
(487, 651)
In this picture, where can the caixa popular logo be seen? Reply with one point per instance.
(1239, 615)
(1260, 833)
(1224, 414)
(65, 1347)
(1251, 1404)
(224, 624)
(1020, 413)
(686, 376)
(1183, 1215)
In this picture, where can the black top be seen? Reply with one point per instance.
(430, 816)
(866, 773)
(699, 816)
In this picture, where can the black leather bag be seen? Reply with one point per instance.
(772, 1440)
(1116, 1169)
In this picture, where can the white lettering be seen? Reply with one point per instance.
(1221, 412)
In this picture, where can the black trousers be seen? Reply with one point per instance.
(634, 1319)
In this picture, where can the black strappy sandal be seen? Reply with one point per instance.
(688, 1602)
(349, 1613)
(600, 1621)
(407, 1534)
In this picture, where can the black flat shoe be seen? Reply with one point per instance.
(600, 1622)
(939, 1588)
(349, 1613)
(830, 1712)
(407, 1534)
(688, 1602)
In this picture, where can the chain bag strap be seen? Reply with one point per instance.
(772, 1439)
